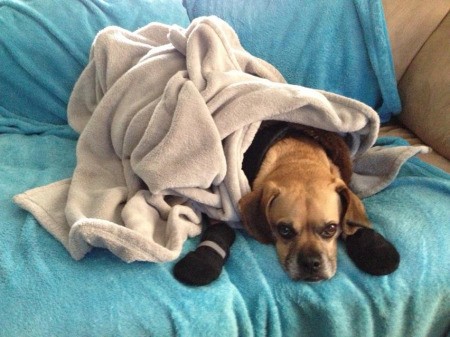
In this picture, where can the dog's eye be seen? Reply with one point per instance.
(329, 231)
(286, 231)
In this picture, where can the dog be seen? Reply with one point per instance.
(301, 202)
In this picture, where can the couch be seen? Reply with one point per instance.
(420, 62)
(342, 46)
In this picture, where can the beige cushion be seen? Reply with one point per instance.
(410, 23)
(425, 91)
(394, 129)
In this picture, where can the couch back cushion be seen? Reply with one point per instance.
(44, 46)
(410, 23)
(425, 91)
(340, 46)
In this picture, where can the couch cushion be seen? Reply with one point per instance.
(44, 46)
(425, 91)
(395, 129)
(410, 23)
(340, 46)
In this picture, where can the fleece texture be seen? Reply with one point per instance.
(44, 292)
(339, 46)
(144, 174)
(44, 46)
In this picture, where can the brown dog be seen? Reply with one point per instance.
(300, 201)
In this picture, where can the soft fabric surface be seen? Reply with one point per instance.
(144, 174)
(46, 293)
(425, 89)
(44, 46)
(339, 46)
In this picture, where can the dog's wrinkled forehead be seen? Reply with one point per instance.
(300, 205)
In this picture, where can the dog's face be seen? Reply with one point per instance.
(304, 221)
(305, 224)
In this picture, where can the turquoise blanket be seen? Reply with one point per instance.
(44, 292)
(339, 46)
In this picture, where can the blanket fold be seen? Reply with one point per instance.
(165, 116)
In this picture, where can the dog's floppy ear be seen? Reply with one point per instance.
(254, 208)
(353, 212)
(369, 250)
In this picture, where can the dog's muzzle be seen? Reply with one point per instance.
(310, 267)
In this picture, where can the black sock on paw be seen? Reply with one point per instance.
(372, 253)
(204, 265)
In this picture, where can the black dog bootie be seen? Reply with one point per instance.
(204, 265)
(372, 253)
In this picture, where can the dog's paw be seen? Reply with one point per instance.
(372, 253)
(205, 264)
(199, 267)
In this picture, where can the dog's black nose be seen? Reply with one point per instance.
(310, 263)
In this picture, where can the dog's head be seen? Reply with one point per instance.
(304, 221)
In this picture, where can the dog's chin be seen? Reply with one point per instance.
(315, 278)
(310, 278)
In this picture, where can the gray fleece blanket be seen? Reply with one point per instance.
(165, 116)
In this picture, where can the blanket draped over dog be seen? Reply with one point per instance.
(165, 116)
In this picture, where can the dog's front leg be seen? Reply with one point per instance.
(371, 252)
(204, 265)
